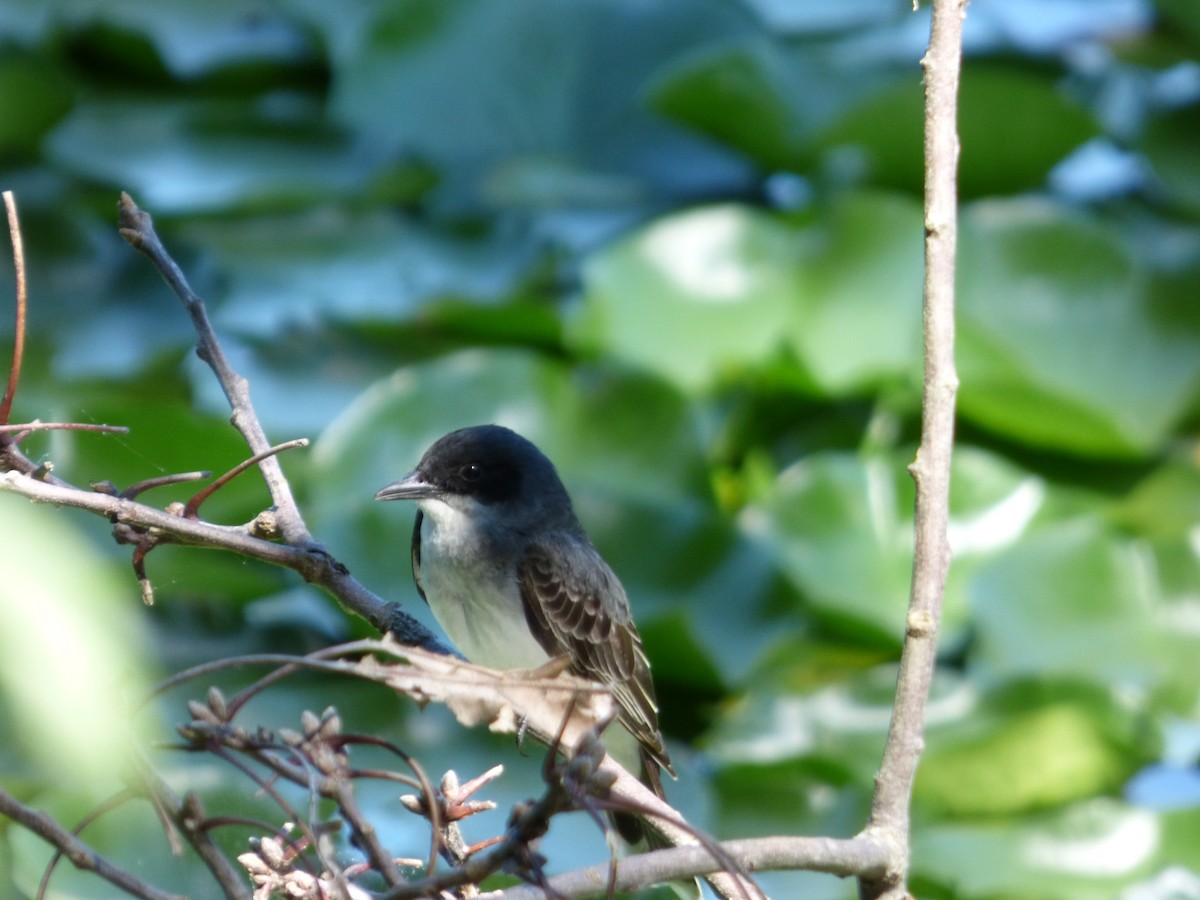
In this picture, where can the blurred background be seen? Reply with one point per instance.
(679, 246)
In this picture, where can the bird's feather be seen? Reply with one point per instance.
(575, 606)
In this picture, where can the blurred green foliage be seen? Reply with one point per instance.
(678, 245)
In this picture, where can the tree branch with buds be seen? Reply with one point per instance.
(567, 715)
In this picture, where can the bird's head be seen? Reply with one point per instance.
(488, 470)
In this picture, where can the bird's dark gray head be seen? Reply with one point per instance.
(489, 465)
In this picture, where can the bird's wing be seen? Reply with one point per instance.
(416, 555)
(575, 606)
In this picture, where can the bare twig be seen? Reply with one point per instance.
(18, 245)
(193, 506)
(188, 818)
(889, 821)
(422, 783)
(846, 857)
(129, 493)
(137, 228)
(501, 699)
(310, 561)
(528, 822)
(184, 531)
(337, 784)
(294, 773)
(63, 426)
(78, 852)
(122, 797)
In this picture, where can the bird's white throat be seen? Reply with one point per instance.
(474, 596)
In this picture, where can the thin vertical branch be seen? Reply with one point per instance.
(18, 245)
(931, 470)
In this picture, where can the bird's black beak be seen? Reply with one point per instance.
(411, 487)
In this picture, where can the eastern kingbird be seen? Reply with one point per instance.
(509, 573)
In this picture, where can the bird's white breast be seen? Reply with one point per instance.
(475, 596)
(473, 590)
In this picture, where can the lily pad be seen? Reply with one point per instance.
(1058, 346)
(693, 295)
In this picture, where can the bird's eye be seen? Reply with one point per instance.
(471, 472)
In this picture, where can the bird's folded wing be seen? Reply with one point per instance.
(575, 606)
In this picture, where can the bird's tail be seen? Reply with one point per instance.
(633, 829)
(641, 833)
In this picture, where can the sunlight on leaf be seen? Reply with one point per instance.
(69, 647)
(1087, 851)
(692, 294)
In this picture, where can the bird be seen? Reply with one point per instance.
(511, 576)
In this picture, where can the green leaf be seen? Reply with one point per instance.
(1170, 147)
(684, 673)
(836, 729)
(486, 90)
(1040, 127)
(71, 641)
(1057, 343)
(692, 295)
(858, 324)
(189, 38)
(788, 797)
(33, 97)
(1072, 600)
(1089, 851)
(836, 527)
(1038, 755)
(1183, 15)
(735, 94)
(839, 527)
(1164, 503)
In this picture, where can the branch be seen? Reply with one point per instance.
(863, 857)
(14, 370)
(62, 426)
(137, 228)
(79, 853)
(558, 709)
(187, 816)
(192, 509)
(301, 553)
(310, 560)
(889, 820)
(632, 796)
